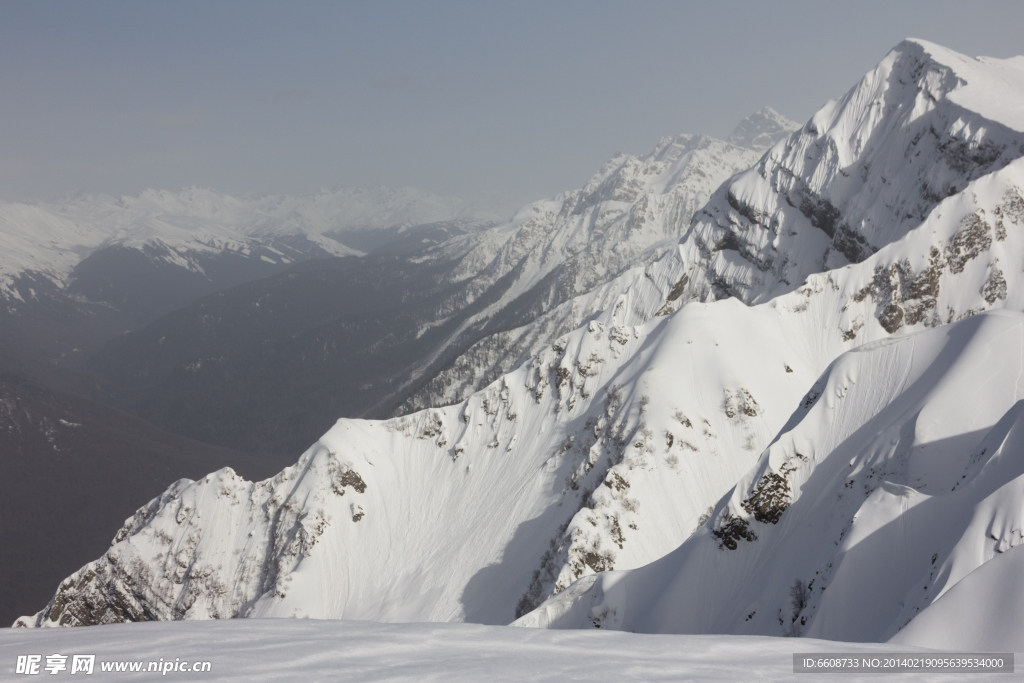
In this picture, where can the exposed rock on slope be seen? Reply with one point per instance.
(898, 475)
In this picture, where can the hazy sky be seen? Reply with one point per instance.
(501, 101)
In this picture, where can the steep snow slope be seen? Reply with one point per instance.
(49, 240)
(893, 480)
(926, 279)
(981, 612)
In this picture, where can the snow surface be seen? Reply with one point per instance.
(992, 87)
(983, 611)
(290, 649)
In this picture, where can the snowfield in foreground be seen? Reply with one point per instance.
(354, 651)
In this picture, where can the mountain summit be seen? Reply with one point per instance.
(761, 130)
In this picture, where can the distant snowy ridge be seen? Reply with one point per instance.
(629, 214)
(679, 404)
(49, 239)
(761, 130)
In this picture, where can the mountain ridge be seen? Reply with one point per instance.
(203, 220)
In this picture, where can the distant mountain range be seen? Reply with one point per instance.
(89, 267)
(50, 240)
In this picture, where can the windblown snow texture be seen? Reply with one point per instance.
(357, 651)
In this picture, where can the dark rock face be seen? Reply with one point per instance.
(731, 530)
(891, 317)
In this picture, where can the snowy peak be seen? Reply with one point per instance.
(761, 130)
(863, 172)
(991, 87)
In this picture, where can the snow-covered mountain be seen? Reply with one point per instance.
(864, 170)
(916, 412)
(684, 163)
(790, 381)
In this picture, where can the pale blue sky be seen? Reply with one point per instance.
(504, 101)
